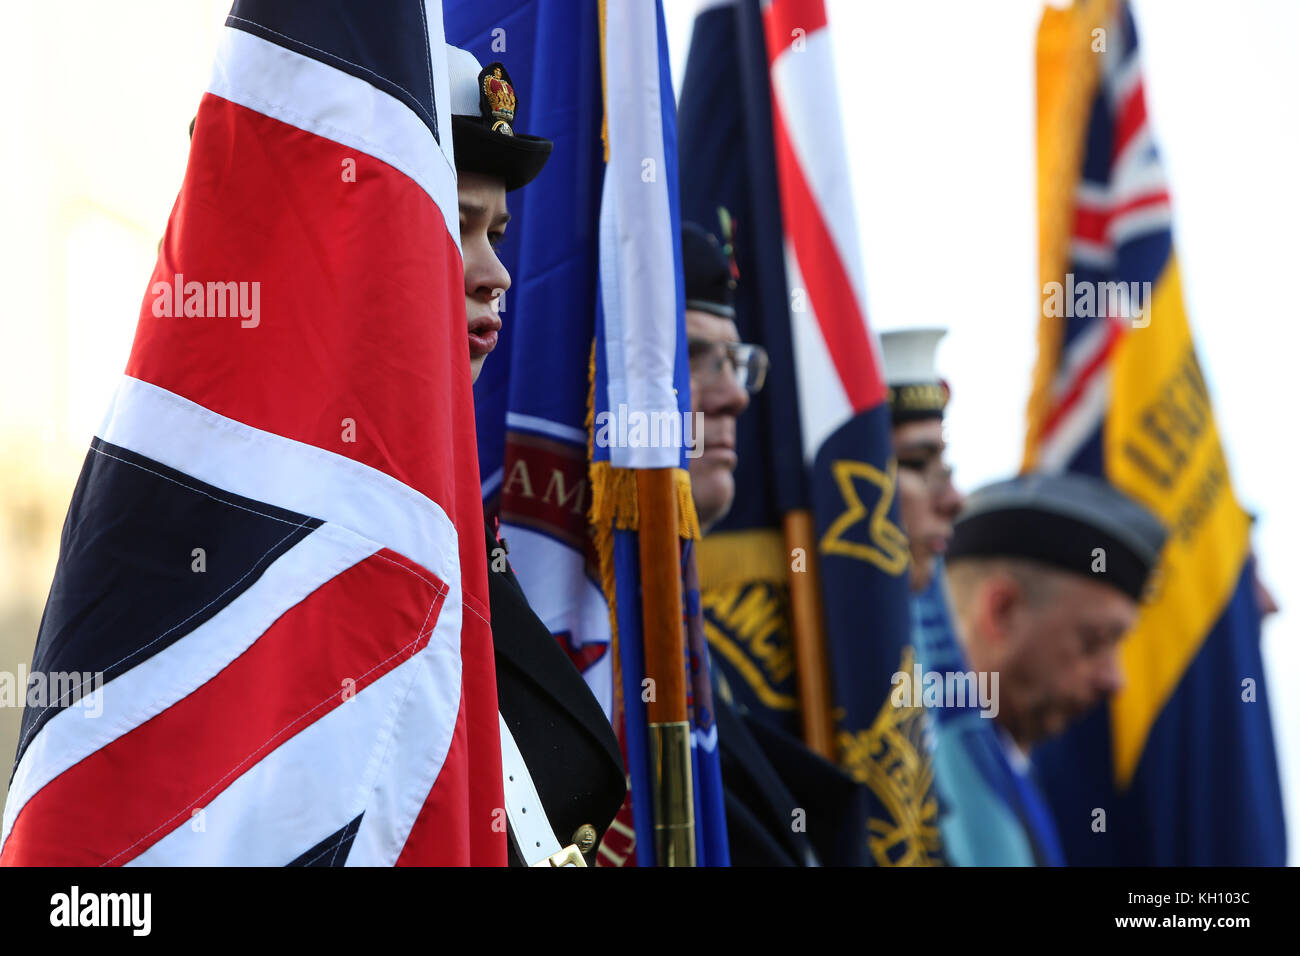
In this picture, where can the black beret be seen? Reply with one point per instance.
(709, 283)
(1059, 520)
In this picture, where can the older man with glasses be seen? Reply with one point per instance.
(762, 768)
(724, 371)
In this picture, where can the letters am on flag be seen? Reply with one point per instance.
(1179, 768)
(273, 554)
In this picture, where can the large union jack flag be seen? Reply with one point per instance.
(273, 560)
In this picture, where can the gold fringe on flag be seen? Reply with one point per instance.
(604, 97)
(614, 505)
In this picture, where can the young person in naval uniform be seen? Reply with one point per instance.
(562, 734)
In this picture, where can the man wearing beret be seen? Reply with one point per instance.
(1046, 573)
(724, 371)
(769, 778)
(991, 810)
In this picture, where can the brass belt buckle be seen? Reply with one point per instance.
(569, 856)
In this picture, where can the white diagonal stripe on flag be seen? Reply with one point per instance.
(290, 474)
(316, 97)
(164, 678)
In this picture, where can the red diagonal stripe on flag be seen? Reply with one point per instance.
(1079, 384)
(1093, 222)
(790, 21)
(1132, 117)
(830, 291)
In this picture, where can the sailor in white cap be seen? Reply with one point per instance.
(491, 160)
(918, 396)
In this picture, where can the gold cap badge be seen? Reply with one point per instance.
(498, 98)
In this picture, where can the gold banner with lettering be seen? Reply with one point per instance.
(1162, 448)
(746, 603)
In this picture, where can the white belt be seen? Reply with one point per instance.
(534, 839)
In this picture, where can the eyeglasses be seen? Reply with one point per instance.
(747, 363)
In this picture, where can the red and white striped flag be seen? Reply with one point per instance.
(836, 351)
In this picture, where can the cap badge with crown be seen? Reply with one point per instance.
(499, 95)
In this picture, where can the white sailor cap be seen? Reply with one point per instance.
(915, 389)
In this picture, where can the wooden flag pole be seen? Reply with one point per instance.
(664, 641)
(809, 635)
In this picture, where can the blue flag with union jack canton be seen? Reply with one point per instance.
(1178, 768)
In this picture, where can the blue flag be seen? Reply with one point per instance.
(817, 448)
(730, 188)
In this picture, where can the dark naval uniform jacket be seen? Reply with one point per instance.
(564, 737)
(770, 780)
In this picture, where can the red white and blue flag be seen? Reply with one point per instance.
(847, 444)
(773, 175)
(273, 562)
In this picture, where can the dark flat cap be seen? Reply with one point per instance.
(1060, 520)
(709, 282)
(916, 392)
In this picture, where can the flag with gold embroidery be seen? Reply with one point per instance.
(816, 499)
(1179, 767)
